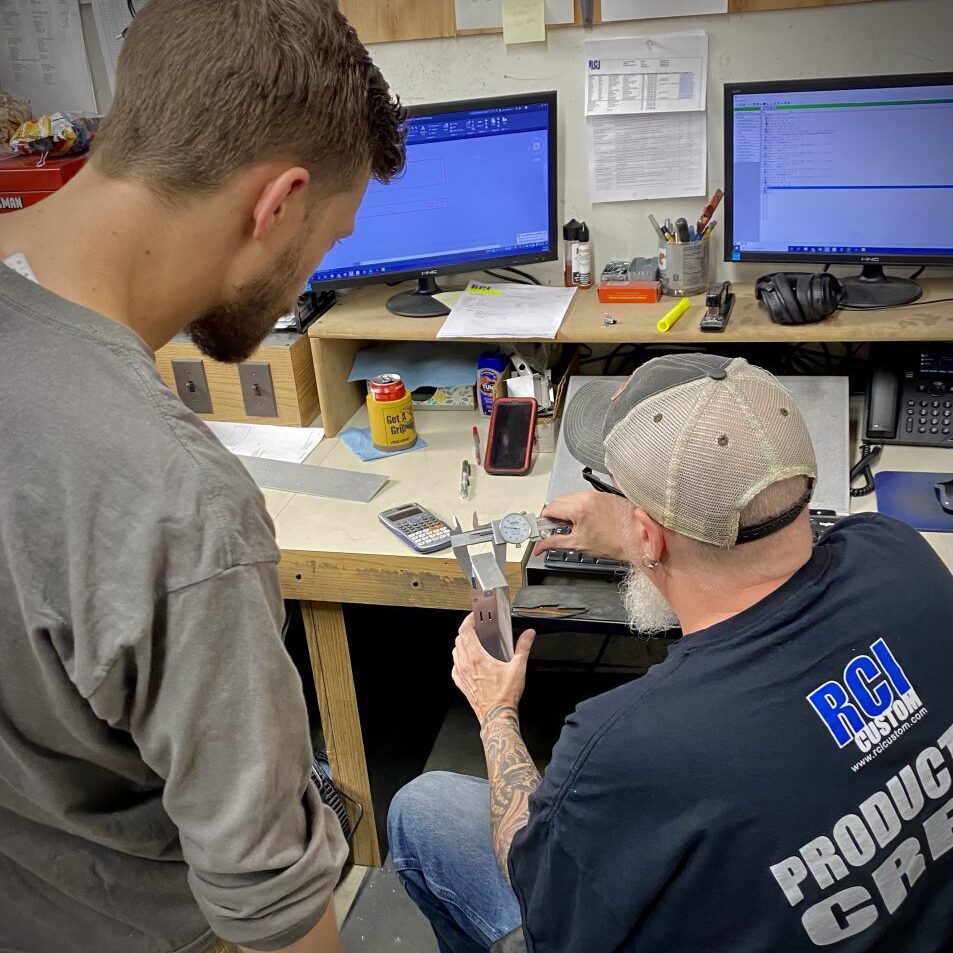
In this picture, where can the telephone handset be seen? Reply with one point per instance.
(882, 404)
(910, 396)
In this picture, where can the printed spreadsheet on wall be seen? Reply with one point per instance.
(645, 116)
(44, 57)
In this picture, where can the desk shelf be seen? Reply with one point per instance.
(362, 318)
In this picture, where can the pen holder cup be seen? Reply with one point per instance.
(684, 268)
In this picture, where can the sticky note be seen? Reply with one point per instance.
(523, 21)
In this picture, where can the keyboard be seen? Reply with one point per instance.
(571, 560)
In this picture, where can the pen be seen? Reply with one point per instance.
(673, 315)
(476, 446)
(465, 480)
(709, 228)
(709, 210)
(658, 230)
(692, 236)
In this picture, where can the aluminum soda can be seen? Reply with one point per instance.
(390, 413)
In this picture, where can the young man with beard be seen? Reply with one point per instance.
(782, 781)
(154, 748)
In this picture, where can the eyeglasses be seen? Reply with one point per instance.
(600, 485)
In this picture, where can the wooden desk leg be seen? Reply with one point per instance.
(334, 681)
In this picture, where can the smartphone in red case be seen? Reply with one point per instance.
(509, 447)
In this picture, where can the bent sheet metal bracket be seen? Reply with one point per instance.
(486, 572)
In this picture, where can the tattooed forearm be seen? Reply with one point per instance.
(513, 778)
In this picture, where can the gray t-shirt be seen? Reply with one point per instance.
(154, 750)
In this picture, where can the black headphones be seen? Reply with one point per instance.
(798, 297)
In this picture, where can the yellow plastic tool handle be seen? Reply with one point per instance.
(673, 315)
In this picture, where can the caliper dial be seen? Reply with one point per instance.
(515, 528)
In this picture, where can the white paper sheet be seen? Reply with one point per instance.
(486, 14)
(507, 311)
(646, 74)
(44, 56)
(646, 157)
(290, 444)
(112, 17)
(649, 9)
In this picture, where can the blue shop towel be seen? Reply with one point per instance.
(358, 441)
(911, 498)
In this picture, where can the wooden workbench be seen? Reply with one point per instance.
(337, 552)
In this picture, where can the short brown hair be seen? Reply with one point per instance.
(205, 88)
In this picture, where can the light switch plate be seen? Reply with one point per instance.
(258, 392)
(192, 385)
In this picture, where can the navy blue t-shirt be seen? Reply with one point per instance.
(781, 782)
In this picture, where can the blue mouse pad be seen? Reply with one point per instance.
(911, 497)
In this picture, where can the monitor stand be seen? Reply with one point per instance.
(873, 289)
(419, 303)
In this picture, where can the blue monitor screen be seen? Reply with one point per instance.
(476, 188)
(842, 172)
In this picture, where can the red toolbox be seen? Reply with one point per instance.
(23, 182)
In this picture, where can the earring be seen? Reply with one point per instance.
(650, 564)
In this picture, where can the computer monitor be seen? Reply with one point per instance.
(479, 191)
(842, 170)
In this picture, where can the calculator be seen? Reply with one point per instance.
(417, 527)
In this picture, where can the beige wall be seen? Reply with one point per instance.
(891, 36)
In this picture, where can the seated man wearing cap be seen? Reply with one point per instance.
(782, 781)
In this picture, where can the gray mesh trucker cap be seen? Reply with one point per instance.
(693, 438)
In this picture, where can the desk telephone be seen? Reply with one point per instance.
(910, 396)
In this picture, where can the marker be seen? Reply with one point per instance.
(673, 315)
(681, 231)
(709, 228)
(476, 446)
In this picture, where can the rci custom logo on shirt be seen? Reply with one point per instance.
(872, 705)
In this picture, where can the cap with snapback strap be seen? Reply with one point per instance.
(693, 439)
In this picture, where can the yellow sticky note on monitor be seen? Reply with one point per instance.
(523, 21)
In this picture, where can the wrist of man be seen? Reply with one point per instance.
(505, 711)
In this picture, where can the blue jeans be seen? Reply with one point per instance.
(440, 844)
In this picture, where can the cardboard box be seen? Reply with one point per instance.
(547, 428)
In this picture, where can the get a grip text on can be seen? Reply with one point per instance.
(390, 413)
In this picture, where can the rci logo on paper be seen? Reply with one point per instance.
(873, 699)
(595, 64)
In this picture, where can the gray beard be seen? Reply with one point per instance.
(648, 611)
